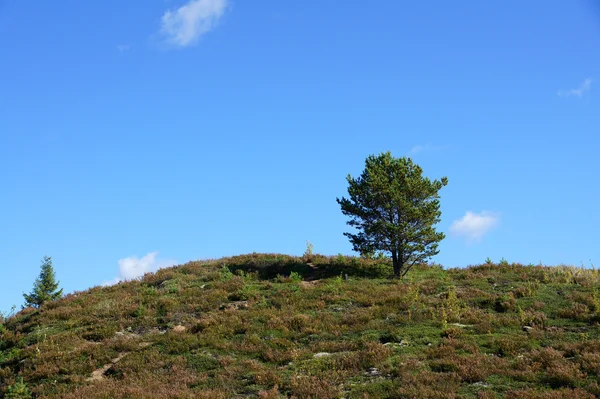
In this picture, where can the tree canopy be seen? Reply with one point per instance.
(45, 287)
(394, 209)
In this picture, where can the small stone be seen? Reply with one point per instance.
(527, 328)
(373, 372)
(321, 354)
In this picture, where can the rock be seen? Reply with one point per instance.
(179, 329)
(321, 354)
(373, 372)
(99, 374)
(527, 328)
(400, 344)
(309, 284)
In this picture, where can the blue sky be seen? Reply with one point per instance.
(134, 135)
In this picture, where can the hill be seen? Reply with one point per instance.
(277, 326)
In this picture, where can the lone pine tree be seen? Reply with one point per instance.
(394, 209)
(45, 287)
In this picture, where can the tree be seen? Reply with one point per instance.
(45, 287)
(394, 208)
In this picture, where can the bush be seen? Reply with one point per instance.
(18, 391)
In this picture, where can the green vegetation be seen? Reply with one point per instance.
(18, 391)
(394, 209)
(45, 287)
(277, 326)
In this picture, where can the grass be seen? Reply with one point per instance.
(277, 326)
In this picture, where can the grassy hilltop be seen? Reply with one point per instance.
(277, 326)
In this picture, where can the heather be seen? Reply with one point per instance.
(278, 326)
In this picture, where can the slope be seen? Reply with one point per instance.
(277, 326)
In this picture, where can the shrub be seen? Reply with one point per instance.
(295, 277)
(505, 303)
(577, 312)
(305, 387)
(18, 391)
(308, 255)
(563, 374)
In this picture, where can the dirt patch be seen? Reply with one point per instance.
(100, 374)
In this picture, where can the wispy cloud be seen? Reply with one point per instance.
(578, 92)
(427, 147)
(184, 26)
(123, 47)
(473, 226)
(133, 267)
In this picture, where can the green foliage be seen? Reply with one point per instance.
(394, 209)
(295, 277)
(140, 311)
(18, 391)
(374, 255)
(226, 274)
(45, 287)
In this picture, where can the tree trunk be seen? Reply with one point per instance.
(396, 263)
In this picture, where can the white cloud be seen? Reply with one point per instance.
(133, 267)
(427, 147)
(184, 26)
(473, 226)
(578, 92)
